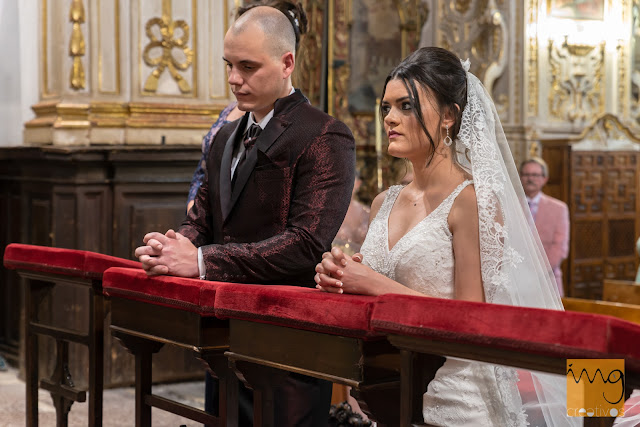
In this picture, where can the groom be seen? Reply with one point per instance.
(277, 188)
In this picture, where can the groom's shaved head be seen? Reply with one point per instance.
(276, 27)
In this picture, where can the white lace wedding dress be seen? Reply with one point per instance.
(463, 393)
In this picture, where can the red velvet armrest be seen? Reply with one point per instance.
(69, 262)
(178, 292)
(297, 307)
(546, 332)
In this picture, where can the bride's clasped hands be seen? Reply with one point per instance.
(339, 273)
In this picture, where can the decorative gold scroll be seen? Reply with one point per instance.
(577, 73)
(167, 42)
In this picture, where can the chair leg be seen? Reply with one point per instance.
(31, 356)
(96, 358)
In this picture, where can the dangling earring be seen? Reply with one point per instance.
(447, 139)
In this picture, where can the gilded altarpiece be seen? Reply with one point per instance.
(367, 39)
(488, 33)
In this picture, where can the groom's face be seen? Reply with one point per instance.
(257, 76)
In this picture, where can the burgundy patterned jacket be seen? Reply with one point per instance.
(290, 197)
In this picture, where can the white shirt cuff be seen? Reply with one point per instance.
(201, 269)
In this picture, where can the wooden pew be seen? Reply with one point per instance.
(627, 312)
(274, 329)
(527, 338)
(45, 268)
(333, 342)
(623, 291)
(346, 339)
(147, 313)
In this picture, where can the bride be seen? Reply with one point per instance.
(459, 230)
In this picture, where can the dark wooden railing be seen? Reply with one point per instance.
(385, 348)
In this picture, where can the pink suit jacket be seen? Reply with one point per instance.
(552, 222)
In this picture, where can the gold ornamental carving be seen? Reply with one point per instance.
(634, 106)
(476, 30)
(360, 57)
(532, 68)
(577, 71)
(308, 74)
(167, 43)
(77, 45)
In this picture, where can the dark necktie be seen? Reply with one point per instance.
(249, 141)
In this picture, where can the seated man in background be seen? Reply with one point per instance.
(551, 215)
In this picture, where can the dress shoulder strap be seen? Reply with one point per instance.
(389, 200)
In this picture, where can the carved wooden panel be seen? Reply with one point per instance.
(10, 312)
(101, 199)
(604, 219)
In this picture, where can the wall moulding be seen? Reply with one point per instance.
(101, 122)
(110, 66)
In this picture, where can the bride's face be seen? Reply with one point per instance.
(406, 136)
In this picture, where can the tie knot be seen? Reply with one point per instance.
(251, 136)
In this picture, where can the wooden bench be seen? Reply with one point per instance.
(623, 291)
(627, 312)
(46, 268)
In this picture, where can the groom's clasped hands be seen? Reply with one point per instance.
(169, 253)
(339, 273)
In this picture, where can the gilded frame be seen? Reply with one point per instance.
(412, 14)
(588, 10)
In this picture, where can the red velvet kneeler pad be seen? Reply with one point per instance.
(70, 262)
(194, 295)
(545, 332)
(297, 307)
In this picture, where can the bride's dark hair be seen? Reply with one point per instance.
(439, 72)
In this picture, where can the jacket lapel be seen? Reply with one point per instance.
(267, 137)
(225, 167)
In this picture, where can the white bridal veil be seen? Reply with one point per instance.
(515, 269)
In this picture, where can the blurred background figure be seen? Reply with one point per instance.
(229, 114)
(550, 215)
(355, 225)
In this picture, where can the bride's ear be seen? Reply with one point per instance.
(449, 117)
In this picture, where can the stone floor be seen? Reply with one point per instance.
(118, 404)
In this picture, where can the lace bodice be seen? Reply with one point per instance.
(423, 258)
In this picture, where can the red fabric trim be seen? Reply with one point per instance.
(297, 307)
(70, 262)
(545, 332)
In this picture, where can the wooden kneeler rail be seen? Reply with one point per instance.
(45, 268)
(280, 329)
(147, 313)
(520, 337)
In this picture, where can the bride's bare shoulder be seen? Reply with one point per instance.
(465, 206)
